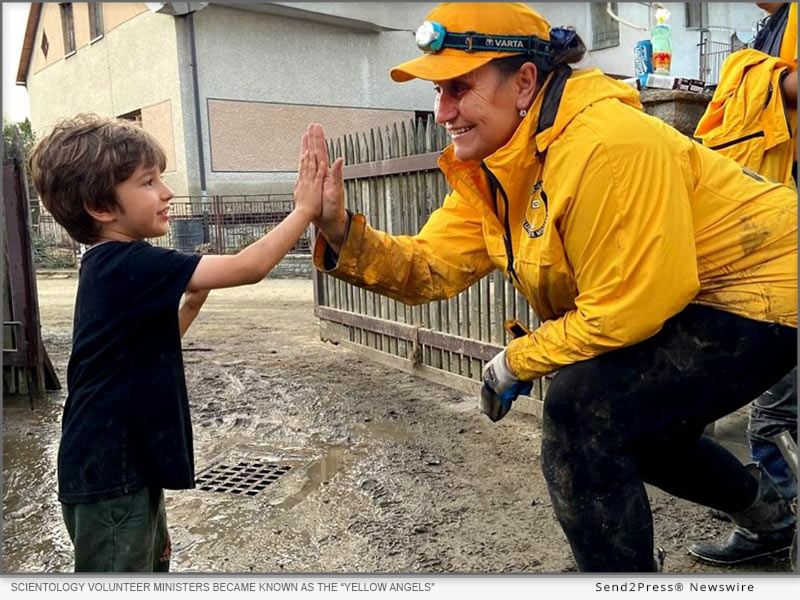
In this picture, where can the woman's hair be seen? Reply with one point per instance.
(544, 65)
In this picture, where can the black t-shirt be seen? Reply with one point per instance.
(126, 420)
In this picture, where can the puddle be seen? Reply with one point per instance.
(387, 431)
(322, 470)
(34, 538)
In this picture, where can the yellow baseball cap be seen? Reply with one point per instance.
(459, 37)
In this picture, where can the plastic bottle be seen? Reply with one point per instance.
(661, 37)
(642, 61)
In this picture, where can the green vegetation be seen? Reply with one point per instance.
(47, 255)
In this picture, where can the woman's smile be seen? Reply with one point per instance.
(458, 132)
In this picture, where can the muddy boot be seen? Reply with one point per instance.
(719, 515)
(765, 528)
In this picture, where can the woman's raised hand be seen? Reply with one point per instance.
(332, 222)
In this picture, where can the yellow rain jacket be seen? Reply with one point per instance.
(747, 118)
(617, 222)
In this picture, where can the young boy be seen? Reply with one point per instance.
(126, 431)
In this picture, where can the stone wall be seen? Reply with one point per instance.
(680, 109)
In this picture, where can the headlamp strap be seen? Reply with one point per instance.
(473, 42)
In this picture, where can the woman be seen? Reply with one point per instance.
(664, 276)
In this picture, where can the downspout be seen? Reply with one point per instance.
(198, 121)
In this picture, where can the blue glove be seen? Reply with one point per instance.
(500, 388)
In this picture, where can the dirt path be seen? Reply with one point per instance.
(389, 473)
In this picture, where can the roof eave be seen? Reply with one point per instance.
(27, 44)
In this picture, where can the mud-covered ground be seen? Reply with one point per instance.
(390, 473)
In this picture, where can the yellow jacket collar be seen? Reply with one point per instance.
(582, 89)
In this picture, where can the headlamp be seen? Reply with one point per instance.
(430, 36)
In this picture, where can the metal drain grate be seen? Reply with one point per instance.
(247, 478)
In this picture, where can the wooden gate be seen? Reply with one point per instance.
(26, 365)
(392, 177)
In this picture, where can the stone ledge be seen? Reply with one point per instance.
(680, 109)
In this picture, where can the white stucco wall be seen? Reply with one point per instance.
(388, 15)
(724, 17)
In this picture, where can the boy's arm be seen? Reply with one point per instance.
(192, 303)
(253, 263)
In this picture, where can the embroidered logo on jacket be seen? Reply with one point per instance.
(536, 215)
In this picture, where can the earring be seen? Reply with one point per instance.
(522, 112)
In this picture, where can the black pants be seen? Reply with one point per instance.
(637, 415)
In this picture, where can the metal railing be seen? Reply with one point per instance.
(713, 54)
(219, 224)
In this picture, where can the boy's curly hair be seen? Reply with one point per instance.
(80, 162)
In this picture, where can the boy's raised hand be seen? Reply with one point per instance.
(308, 187)
(332, 222)
(252, 264)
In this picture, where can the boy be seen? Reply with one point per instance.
(126, 431)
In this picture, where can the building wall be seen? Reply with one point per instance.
(263, 76)
(280, 127)
(388, 15)
(49, 27)
(117, 13)
(725, 17)
(157, 119)
(292, 71)
(132, 67)
(114, 15)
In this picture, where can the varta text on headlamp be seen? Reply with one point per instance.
(432, 37)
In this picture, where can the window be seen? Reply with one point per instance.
(95, 20)
(134, 115)
(696, 15)
(68, 28)
(45, 44)
(605, 30)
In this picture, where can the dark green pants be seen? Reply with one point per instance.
(123, 535)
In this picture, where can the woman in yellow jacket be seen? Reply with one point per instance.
(663, 274)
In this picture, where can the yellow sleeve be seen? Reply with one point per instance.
(789, 42)
(628, 236)
(445, 257)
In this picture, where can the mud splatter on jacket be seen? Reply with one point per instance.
(616, 220)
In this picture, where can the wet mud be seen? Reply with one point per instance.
(389, 473)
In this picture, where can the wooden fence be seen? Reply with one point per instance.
(392, 177)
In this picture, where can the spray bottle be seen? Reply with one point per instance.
(661, 37)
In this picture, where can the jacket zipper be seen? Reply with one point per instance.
(494, 186)
(757, 134)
